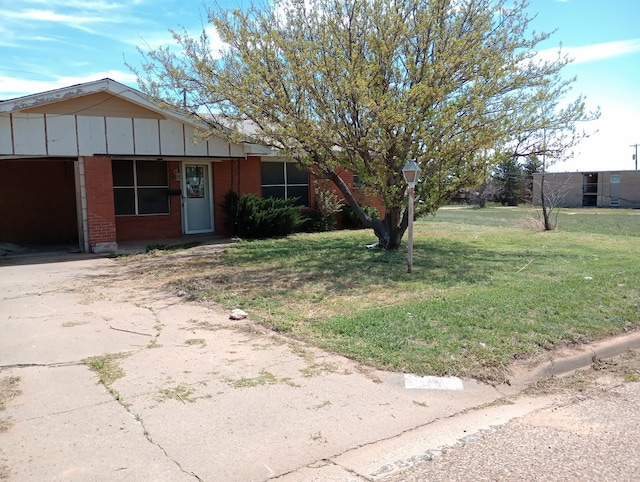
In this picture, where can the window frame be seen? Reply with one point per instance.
(286, 184)
(136, 187)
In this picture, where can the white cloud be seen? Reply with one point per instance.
(51, 16)
(593, 53)
(216, 45)
(84, 5)
(74, 21)
(12, 87)
(78, 14)
(10, 41)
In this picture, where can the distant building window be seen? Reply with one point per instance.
(615, 178)
(140, 187)
(285, 180)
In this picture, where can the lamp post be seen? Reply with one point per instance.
(410, 172)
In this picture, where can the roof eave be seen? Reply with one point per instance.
(104, 85)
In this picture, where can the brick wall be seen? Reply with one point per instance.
(100, 210)
(251, 176)
(225, 178)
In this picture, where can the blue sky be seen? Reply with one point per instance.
(47, 44)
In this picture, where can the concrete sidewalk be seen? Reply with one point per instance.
(202, 397)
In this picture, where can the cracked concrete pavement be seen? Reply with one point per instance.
(196, 396)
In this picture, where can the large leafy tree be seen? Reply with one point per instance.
(367, 85)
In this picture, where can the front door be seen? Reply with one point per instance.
(198, 202)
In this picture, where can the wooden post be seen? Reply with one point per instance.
(410, 232)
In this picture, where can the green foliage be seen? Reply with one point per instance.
(258, 218)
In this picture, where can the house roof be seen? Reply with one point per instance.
(108, 86)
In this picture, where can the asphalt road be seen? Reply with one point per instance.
(591, 433)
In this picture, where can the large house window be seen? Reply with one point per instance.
(285, 180)
(140, 187)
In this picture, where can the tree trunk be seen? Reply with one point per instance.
(545, 212)
(391, 229)
(388, 230)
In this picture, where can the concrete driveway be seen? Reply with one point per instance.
(194, 395)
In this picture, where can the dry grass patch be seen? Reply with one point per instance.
(9, 389)
(264, 378)
(201, 342)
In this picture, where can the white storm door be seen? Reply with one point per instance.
(198, 201)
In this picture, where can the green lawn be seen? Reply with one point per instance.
(486, 288)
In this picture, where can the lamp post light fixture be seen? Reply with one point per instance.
(410, 172)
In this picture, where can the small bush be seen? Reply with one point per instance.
(249, 216)
(351, 221)
(316, 222)
(326, 205)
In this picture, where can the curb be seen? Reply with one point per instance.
(390, 456)
(587, 355)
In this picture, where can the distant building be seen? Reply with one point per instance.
(590, 189)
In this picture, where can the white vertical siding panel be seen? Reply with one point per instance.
(91, 135)
(218, 147)
(171, 138)
(120, 135)
(61, 136)
(6, 144)
(29, 134)
(147, 137)
(237, 150)
(193, 149)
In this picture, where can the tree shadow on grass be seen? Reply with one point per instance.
(341, 264)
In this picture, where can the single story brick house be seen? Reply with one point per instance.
(590, 189)
(98, 163)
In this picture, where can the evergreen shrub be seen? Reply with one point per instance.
(252, 217)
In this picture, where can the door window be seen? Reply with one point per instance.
(195, 182)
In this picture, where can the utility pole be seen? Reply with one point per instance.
(635, 156)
